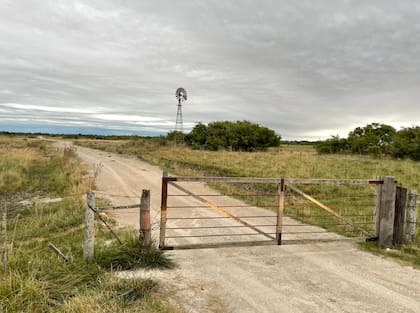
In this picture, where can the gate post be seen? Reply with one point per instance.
(410, 227)
(163, 208)
(378, 197)
(399, 221)
(387, 211)
(280, 210)
(145, 228)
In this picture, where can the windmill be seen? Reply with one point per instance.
(181, 95)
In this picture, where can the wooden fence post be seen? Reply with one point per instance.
(4, 236)
(410, 228)
(399, 220)
(387, 212)
(163, 208)
(378, 197)
(280, 211)
(145, 228)
(88, 249)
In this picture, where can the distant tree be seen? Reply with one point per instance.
(407, 143)
(216, 136)
(335, 144)
(175, 136)
(266, 138)
(198, 136)
(374, 138)
(239, 135)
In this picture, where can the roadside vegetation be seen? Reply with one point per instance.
(376, 139)
(290, 161)
(35, 279)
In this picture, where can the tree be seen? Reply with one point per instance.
(217, 136)
(175, 136)
(239, 135)
(335, 144)
(407, 143)
(198, 136)
(374, 138)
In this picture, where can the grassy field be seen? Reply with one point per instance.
(286, 161)
(290, 161)
(37, 280)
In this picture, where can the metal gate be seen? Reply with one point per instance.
(198, 212)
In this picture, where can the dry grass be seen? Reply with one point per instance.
(31, 167)
(35, 279)
(286, 161)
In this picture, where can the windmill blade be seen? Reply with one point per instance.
(181, 94)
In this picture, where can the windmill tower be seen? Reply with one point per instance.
(181, 95)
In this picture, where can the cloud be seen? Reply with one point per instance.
(302, 68)
(45, 108)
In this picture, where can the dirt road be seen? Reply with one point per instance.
(322, 277)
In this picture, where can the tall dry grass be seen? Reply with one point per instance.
(37, 280)
(286, 161)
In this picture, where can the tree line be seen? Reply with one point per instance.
(376, 139)
(236, 136)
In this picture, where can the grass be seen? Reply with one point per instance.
(127, 256)
(290, 161)
(37, 280)
(29, 167)
(286, 161)
(406, 254)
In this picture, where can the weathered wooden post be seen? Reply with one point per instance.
(399, 220)
(378, 197)
(387, 211)
(145, 228)
(88, 248)
(163, 208)
(410, 227)
(4, 236)
(280, 211)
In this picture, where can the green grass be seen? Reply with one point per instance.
(407, 254)
(127, 256)
(36, 279)
(289, 161)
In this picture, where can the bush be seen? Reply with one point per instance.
(238, 136)
(407, 143)
(333, 145)
(374, 138)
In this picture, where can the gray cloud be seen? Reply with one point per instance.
(307, 69)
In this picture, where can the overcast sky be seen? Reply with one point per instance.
(308, 69)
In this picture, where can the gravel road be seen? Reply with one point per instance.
(317, 277)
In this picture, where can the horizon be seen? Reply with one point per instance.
(49, 129)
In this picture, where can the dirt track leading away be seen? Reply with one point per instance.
(321, 277)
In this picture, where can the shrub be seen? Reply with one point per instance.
(407, 143)
(333, 145)
(237, 136)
